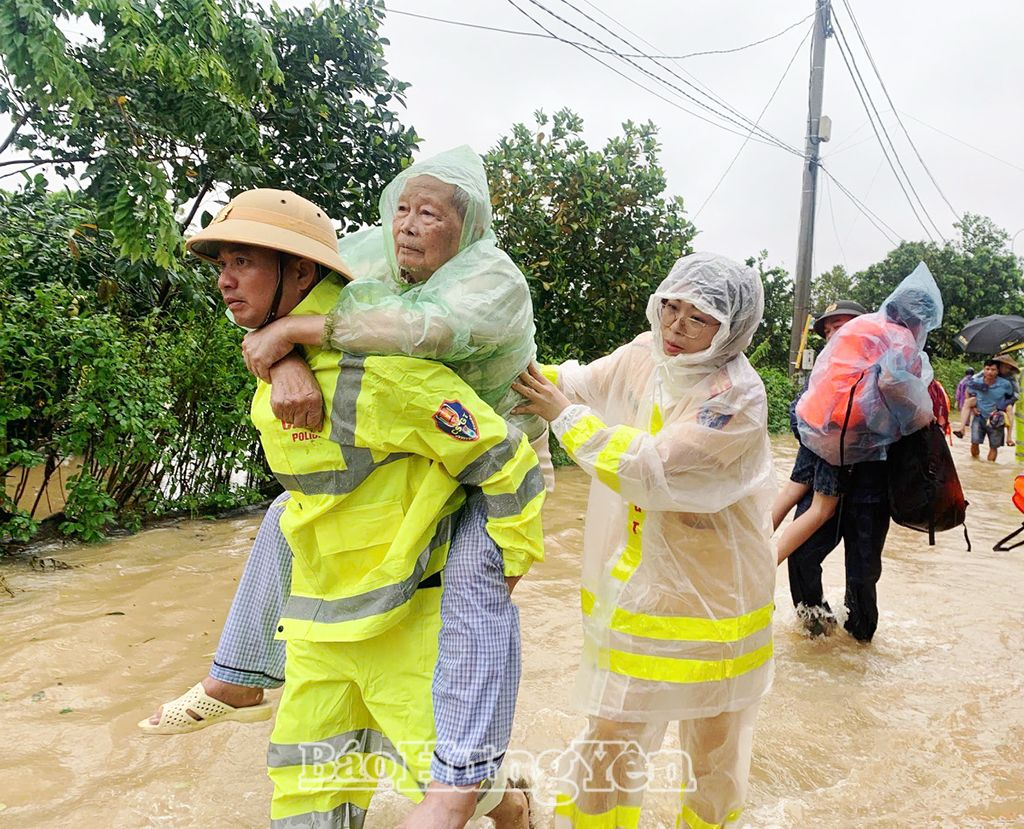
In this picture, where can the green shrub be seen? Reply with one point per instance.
(152, 403)
(592, 229)
(780, 390)
(89, 510)
(950, 371)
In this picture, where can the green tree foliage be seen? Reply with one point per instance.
(165, 102)
(829, 287)
(771, 340)
(153, 407)
(113, 346)
(590, 229)
(781, 390)
(977, 275)
(950, 371)
(778, 385)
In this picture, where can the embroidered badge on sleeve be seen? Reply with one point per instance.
(456, 420)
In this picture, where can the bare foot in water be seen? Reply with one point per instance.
(237, 696)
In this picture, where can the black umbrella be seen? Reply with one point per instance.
(991, 334)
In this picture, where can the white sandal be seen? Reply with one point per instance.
(176, 719)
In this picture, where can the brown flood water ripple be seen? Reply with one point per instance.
(923, 728)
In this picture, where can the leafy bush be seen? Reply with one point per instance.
(780, 390)
(89, 510)
(166, 103)
(977, 273)
(113, 348)
(950, 371)
(152, 404)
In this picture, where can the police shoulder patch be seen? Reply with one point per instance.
(456, 420)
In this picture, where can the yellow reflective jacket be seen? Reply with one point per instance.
(375, 493)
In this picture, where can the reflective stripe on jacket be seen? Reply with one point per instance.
(376, 491)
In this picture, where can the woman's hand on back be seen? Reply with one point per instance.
(542, 396)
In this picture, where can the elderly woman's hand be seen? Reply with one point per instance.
(262, 348)
(542, 396)
(295, 396)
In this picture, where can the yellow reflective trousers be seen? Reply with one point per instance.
(353, 712)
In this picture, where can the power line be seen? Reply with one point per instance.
(764, 109)
(633, 81)
(746, 122)
(867, 194)
(835, 227)
(868, 213)
(543, 36)
(743, 123)
(961, 141)
(899, 120)
(839, 150)
(869, 107)
(789, 28)
(636, 83)
(850, 137)
(644, 40)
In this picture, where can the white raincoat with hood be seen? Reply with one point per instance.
(474, 313)
(678, 569)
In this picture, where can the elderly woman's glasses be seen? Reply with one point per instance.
(692, 327)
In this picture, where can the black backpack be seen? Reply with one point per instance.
(924, 489)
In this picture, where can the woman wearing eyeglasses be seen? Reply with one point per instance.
(678, 571)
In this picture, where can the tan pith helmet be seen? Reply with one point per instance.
(275, 219)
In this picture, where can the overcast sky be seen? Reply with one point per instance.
(950, 67)
(957, 67)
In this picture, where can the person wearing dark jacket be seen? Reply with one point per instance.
(861, 522)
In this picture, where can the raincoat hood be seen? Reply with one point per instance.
(473, 313)
(461, 167)
(726, 290)
(915, 304)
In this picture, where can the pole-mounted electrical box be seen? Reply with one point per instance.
(824, 128)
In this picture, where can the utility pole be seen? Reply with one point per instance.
(805, 240)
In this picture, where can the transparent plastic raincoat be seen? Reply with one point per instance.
(880, 358)
(678, 569)
(474, 313)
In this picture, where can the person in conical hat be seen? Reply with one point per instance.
(431, 282)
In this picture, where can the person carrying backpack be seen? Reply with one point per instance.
(869, 390)
(862, 522)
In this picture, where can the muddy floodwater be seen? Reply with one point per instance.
(922, 728)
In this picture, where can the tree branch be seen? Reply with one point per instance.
(42, 162)
(195, 207)
(14, 131)
(76, 159)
